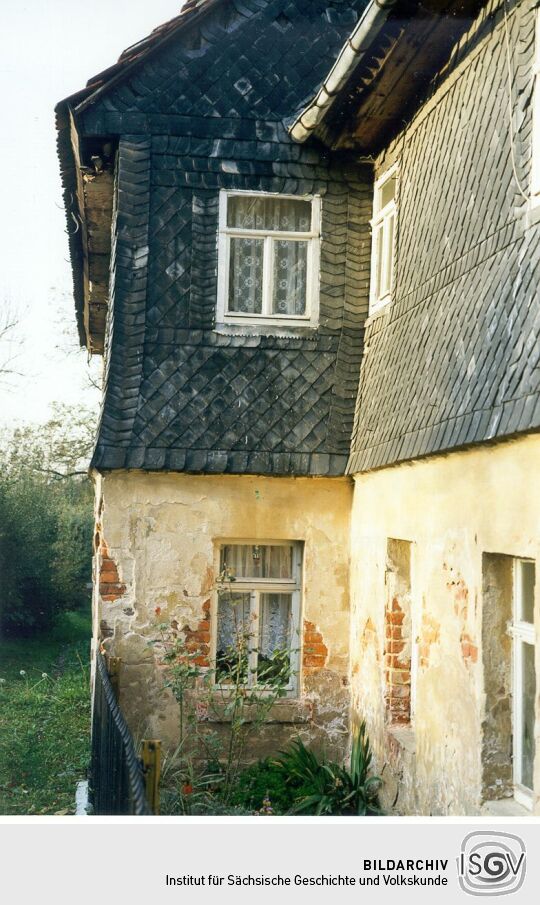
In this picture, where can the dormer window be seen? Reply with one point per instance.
(383, 244)
(268, 259)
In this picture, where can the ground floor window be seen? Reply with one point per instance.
(257, 626)
(524, 680)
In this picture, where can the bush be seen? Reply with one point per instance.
(46, 523)
(325, 788)
(261, 782)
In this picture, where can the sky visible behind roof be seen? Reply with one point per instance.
(50, 50)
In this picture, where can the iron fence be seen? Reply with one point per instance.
(117, 782)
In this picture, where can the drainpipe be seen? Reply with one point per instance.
(367, 29)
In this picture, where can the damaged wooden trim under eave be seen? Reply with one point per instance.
(95, 194)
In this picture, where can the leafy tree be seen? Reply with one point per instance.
(45, 520)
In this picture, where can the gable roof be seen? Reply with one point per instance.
(191, 12)
(74, 191)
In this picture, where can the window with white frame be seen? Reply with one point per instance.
(268, 259)
(524, 680)
(383, 227)
(535, 136)
(257, 623)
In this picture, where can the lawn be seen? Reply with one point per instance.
(44, 718)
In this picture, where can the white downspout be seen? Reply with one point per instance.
(373, 18)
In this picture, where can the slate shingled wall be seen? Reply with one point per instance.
(209, 111)
(455, 359)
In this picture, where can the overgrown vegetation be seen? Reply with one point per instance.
(44, 718)
(207, 772)
(202, 774)
(45, 521)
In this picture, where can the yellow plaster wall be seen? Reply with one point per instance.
(161, 532)
(453, 508)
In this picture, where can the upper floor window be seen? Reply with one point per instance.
(268, 259)
(383, 243)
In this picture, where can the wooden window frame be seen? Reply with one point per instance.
(313, 239)
(522, 633)
(256, 587)
(380, 226)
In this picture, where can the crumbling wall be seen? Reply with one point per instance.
(157, 541)
(454, 510)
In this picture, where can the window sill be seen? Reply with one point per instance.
(287, 331)
(531, 213)
(504, 807)
(288, 710)
(377, 313)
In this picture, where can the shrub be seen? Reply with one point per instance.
(326, 788)
(262, 781)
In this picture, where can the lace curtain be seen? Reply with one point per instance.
(246, 276)
(257, 561)
(274, 622)
(289, 262)
(290, 277)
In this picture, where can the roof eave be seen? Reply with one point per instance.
(74, 217)
(352, 53)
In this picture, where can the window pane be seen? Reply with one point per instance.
(388, 230)
(290, 277)
(526, 579)
(528, 680)
(285, 214)
(378, 261)
(273, 656)
(254, 561)
(246, 276)
(387, 192)
(233, 635)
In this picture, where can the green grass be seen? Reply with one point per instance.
(45, 722)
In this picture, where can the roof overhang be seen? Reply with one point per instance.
(89, 191)
(383, 72)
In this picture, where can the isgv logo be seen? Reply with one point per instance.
(492, 864)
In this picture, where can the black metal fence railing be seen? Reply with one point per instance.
(117, 784)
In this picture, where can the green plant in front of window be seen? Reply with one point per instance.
(231, 694)
(241, 695)
(327, 788)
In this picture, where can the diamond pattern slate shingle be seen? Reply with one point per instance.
(454, 359)
(205, 113)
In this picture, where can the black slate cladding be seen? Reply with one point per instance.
(454, 360)
(207, 111)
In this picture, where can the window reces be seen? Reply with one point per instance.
(258, 614)
(384, 229)
(524, 684)
(268, 259)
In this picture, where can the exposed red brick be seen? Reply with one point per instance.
(397, 668)
(198, 640)
(110, 586)
(315, 650)
(469, 650)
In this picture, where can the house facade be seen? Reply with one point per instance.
(304, 237)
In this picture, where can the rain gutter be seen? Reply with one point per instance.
(359, 42)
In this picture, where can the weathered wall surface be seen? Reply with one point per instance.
(156, 543)
(453, 510)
